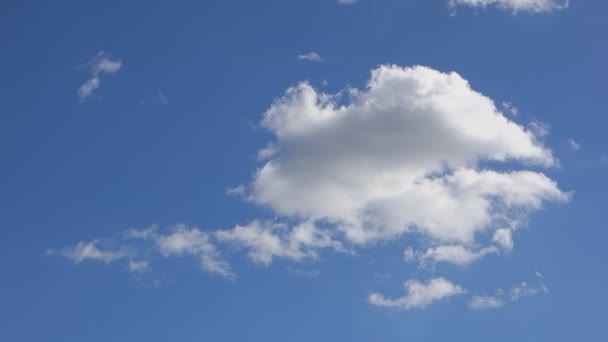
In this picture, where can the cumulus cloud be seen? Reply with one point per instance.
(311, 56)
(402, 155)
(98, 65)
(418, 294)
(186, 240)
(89, 251)
(516, 6)
(268, 240)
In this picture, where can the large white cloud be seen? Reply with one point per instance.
(535, 6)
(419, 294)
(413, 151)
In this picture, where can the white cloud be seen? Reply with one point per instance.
(267, 240)
(88, 88)
(454, 254)
(419, 295)
(533, 6)
(540, 129)
(485, 302)
(573, 145)
(503, 237)
(509, 107)
(89, 251)
(186, 240)
(142, 234)
(515, 294)
(98, 65)
(311, 56)
(139, 267)
(525, 290)
(403, 155)
(347, 2)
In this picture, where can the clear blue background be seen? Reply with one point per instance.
(72, 172)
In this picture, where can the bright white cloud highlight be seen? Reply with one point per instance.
(186, 240)
(98, 65)
(401, 155)
(268, 240)
(418, 294)
(347, 2)
(534, 6)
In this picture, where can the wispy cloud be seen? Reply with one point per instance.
(90, 251)
(485, 302)
(158, 99)
(100, 64)
(573, 145)
(347, 2)
(523, 289)
(516, 6)
(311, 57)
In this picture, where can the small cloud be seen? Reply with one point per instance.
(138, 266)
(89, 251)
(238, 190)
(418, 294)
(100, 64)
(141, 234)
(539, 129)
(311, 57)
(509, 107)
(573, 145)
(485, 302)
(185, 240)
(347, 2)
(453, 254)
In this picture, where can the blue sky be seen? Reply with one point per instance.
(303, 170)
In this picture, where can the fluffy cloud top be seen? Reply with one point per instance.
(419, 295)
(404, 154)
(535, 6)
